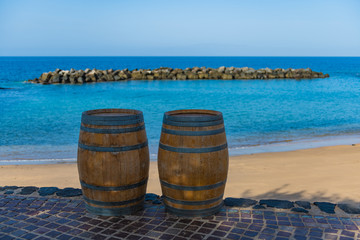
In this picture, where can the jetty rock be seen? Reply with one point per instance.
(73, 76)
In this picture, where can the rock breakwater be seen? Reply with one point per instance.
(164, 73)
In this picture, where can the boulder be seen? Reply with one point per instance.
(181, 76)
(150, 77)
(137, 75)
(191, 75)
(227, 77)
(221, 69)
(55, 78)
(72, 78)
(203, 75)
(45, 77)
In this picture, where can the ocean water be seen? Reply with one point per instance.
(40, 123)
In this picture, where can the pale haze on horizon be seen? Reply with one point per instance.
(180, 28)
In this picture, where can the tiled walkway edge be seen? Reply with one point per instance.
(60, 214)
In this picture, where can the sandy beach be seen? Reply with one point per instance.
(319, 174)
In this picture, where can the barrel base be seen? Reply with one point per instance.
(113, 212)
(194, 212)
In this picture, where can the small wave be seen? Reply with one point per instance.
(37, 161)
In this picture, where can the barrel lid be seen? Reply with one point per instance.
(193, 115)
(115, 115)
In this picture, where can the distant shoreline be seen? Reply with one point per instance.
(278, 147)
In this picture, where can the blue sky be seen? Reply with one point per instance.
(180, 28)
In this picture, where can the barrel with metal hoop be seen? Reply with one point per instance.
(113, 161)
(193, 162)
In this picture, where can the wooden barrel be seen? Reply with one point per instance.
(193, 162)
(113, 161)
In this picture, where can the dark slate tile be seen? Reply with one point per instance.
(18, 233)
(299, 237)
(303, 204)
(233, 236)
(133, 237)
(219, 233)
(29, 236)
(209, 238)
(283, 234)
(346, 238)
(53, 234)
(347, 233)
(42, 238)
(258, 207)
(283, 204)
(329, 236)
(239, 202)
(250, 233)
(166, 236)
(315, 234)
(326, 207)
(69, 192)
(198, 236)
(28, 190)
(349, 208)
(297, 209)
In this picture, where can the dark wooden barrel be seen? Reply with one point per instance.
(193, 162)
(113, 161)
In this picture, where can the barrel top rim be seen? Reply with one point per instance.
(181, 113)
(95, 112)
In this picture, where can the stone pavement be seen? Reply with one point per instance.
(60, 214)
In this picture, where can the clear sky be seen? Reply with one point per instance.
(179, 28)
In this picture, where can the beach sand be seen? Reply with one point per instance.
(320, 174)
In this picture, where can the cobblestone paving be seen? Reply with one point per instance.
(28, 217)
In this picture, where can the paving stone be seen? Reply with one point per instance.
(151, 197)
(349, 208)
(69, 192)
(283, 204)
(303, 204)
(9, 188)
(258, 207)
(157, 201)
(326, 207)
(53, 217)
(239, 202)
(298, 209)
(28, 190)
(46, 191)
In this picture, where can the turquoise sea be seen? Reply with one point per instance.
(40, 123)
